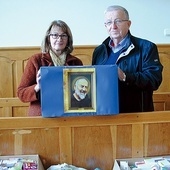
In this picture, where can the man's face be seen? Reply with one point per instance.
(81, 88)
(119, 25)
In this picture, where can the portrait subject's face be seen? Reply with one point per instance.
(81, 88)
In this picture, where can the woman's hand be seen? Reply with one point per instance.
(38, 78)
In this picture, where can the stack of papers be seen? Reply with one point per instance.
(156, 163)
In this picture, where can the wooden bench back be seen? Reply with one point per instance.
(13, 61)
(164, 53)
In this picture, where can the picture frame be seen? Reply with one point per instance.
(75, 81)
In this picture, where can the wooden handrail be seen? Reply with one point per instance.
(11, 101)
(82, 140)
(80, 121)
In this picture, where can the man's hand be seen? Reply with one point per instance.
(121, 75)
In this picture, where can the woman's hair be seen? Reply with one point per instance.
(46, 46)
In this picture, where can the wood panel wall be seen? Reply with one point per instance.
(89, 142)
(13, 61)
(164, 53)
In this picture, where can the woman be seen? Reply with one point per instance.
(56, 48)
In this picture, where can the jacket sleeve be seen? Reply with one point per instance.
(149, 75)
(25, 91)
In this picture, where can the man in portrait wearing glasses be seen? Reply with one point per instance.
(139, 67)
(80, 96)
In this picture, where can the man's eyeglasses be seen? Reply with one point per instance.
(116, 22)
(57, 36)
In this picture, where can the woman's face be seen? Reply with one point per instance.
(58, 39)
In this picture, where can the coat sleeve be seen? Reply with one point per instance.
(25, 90)
(149, 75)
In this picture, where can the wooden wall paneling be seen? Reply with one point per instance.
(13, 107)
(6, 74)
(18, 134)
(124, 141)
(18, 53)
(83, 141)
(20, 111)
(145, 140)
(92, 145)
(158, 139)
(90, 141)
(17, 56)
(18, 69)
(161, 101)
(6, 111)
(164, 52)
(45, 142)
(84, 53)
(13, 61)
(7, 142)
(5, 108)
(65, 144)
(113, 131)
(137, 140)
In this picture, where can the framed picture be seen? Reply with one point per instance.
(79, 90)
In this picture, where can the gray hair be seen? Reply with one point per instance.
(46, 47)
(117, 7)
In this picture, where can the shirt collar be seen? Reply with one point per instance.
(121, 45)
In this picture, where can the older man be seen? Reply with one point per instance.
(139, 67)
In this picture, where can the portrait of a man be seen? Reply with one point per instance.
(79, 90)
(80, 97)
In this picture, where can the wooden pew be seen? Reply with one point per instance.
(161, 101)
(13, 61)
(89, 142)
(13, 107)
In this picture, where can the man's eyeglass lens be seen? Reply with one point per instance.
(116, 22)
